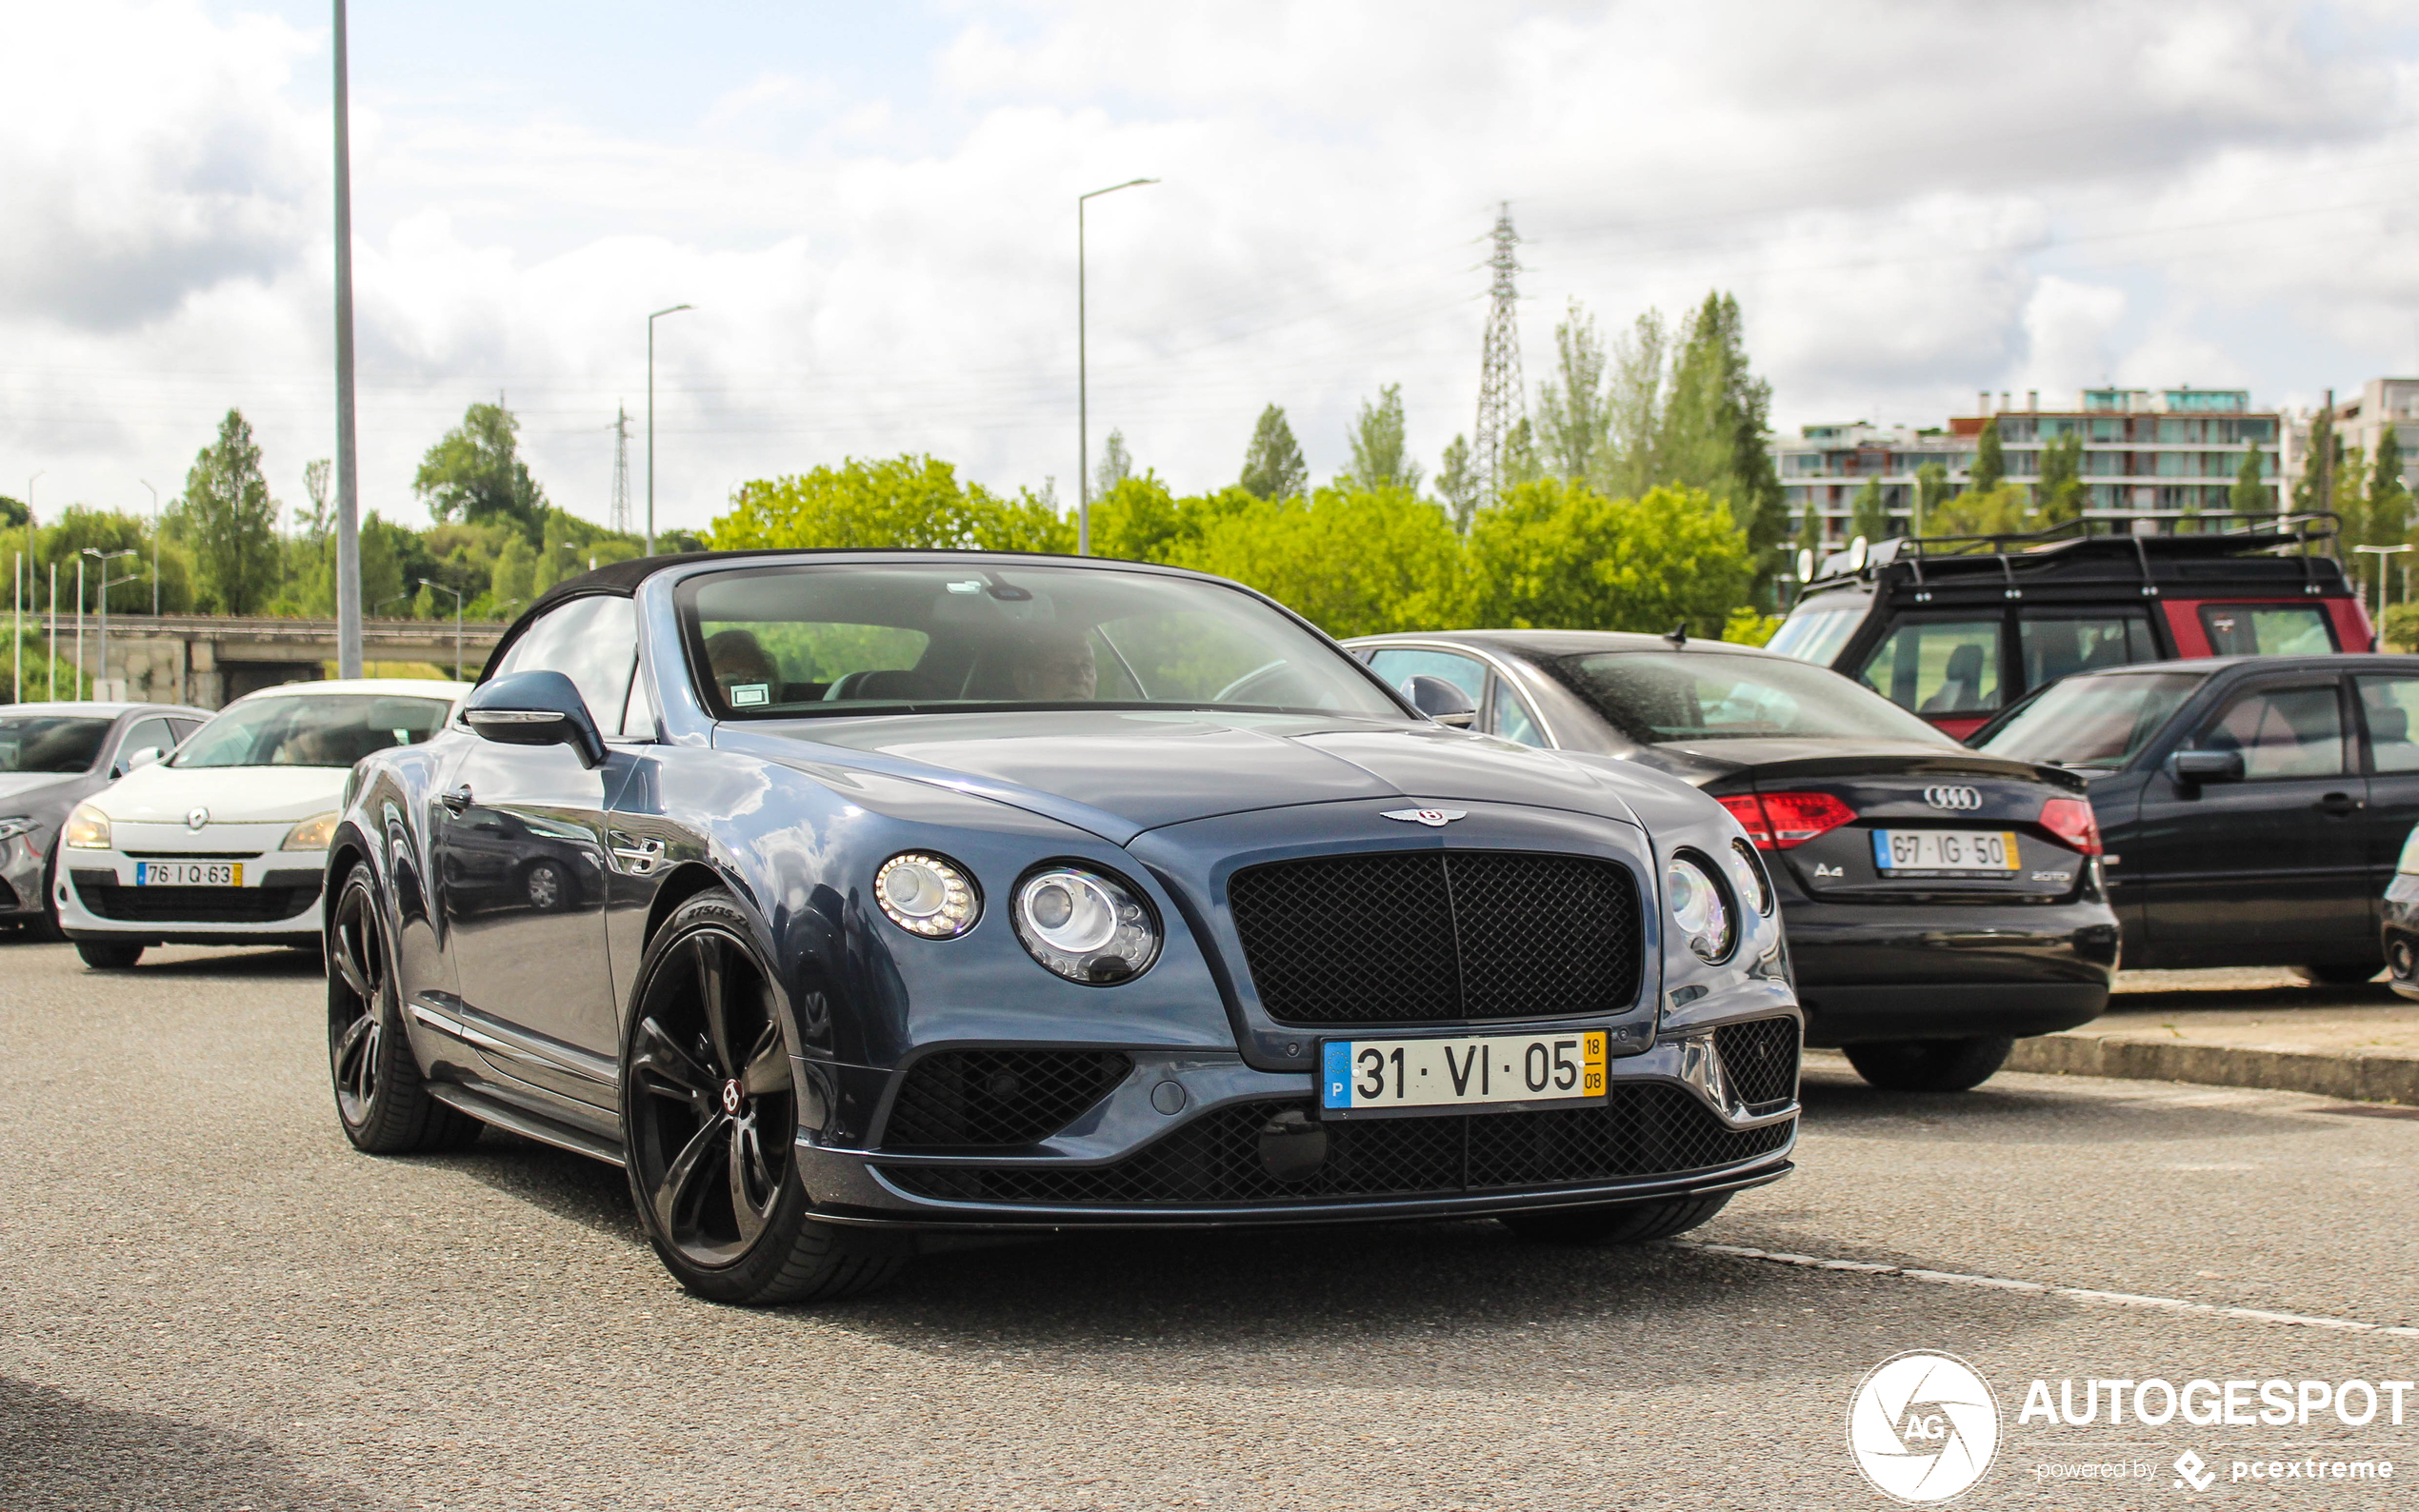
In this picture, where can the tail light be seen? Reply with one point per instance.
(2071, 820)
(1780, 821)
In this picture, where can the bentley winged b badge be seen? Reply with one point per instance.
(1432, 818)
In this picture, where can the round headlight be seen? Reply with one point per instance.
(1699, 911)
(1085, 926)
(1747, 877)
(87, 828)
(927, 895)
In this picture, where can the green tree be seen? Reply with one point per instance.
(509, 585)
(1272, 467)
(2309, 490)
(2058, 497)
(1717, 431)
(1870, 515)
(1516, 459)
(13, 514)
(906, 501)
(1991, 463)
(1352, 561)
(1932, 490)
(1457, 483)
(1810, 529)
(1574, 421)
(1116, 465)
(1140, 519)
(2007, 510)
(2252, 493)
(2389, 511)
(229, 522)
(475, 473)
(80, 528)
(1381, 450)
(1554, 555)
(1633, 407)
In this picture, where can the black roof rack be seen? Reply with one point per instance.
(1926, 562)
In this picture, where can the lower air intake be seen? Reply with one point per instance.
(956, 1098)
(1760, 1059)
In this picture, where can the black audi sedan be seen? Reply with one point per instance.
(2252, 807)
(1939, 903)
(917, 893)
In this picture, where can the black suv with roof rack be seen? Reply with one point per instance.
(1958, 628)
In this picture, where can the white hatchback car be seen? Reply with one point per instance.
(225, 842)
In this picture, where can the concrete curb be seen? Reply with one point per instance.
(2353, 1078)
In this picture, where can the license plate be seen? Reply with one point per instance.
(1945, 851)
(189, 874)
(1389, 1076)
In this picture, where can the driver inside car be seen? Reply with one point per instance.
(740, 660)
(1056, 666)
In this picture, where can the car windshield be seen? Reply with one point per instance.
(1815, 633)
(50, 743)
(786, 642)
(2096, 722)
(1667, 697)
(312, 729)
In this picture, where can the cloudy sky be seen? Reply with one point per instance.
(872, 209)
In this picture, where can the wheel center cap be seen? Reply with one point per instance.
(731, 1097)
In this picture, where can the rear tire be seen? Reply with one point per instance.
(1931, 1065)
(2338, 973)
(1615, 1222)
(709, 1125)
(382, 1098)
(108, 955)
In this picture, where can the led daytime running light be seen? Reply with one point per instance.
(927, 895)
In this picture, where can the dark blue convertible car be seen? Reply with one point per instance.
(854, 899)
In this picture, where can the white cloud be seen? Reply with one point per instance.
(1911, 201)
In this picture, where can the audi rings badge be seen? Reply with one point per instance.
(1960, 800)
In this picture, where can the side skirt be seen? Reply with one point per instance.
(522, 1121)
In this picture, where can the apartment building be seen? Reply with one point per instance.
(2149, 455)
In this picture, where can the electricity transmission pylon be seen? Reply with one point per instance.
(1501, 404)
(620, 516)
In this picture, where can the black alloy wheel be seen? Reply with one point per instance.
(708, 1114)
(382, 1099)
(1616, 1222)
(1930, 1065)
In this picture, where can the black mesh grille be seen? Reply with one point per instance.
(1760, 1059)
(1643, 1130)
(282, 895)
(1438, 935)
(998, 1097)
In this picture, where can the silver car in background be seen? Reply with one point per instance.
(51, 757)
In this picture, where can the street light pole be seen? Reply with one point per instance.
(105, 558)
(1083, 379)
(651, 421)
(17, 671)
(348, 463)
(431, 583)
(2380, 552)
(155, 547)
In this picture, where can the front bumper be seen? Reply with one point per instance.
(1248, 1147)
(278, 903)
(20, 878)
(1918, 971)
(2400, 934)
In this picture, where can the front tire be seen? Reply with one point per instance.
(382, 1099)
(709, 1120)
(1616, 1222)
(108, 955)
(1930, 1065)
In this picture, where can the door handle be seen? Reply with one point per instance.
(2340, 805)
(456, 801)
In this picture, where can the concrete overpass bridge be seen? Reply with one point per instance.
(209, 660)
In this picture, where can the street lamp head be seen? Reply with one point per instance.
(670, 311)
(1131, 183)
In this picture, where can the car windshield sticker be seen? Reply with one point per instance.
(972, 585)
(743, 694)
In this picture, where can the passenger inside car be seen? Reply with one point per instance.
(743, 669)
(1055, 666)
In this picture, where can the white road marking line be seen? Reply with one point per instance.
(2111, 1299)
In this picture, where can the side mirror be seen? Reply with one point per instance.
(1442, 702)
(136, 761)
(535, 709)
(2189, 767)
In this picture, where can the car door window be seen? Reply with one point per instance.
(591, 641)
(149, 735)
(2267, 630)
(1939, 667)
(2391, 704)
(2283, 732)
(2059, 645)
(1398, 664)
(1508, 717)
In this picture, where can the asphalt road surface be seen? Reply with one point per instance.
(208, 1299)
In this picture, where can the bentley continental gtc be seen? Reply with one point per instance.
(896, 895)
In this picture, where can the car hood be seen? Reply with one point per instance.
(20, 788)
(1707, 762)
(235, 795)
(1119, 773)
